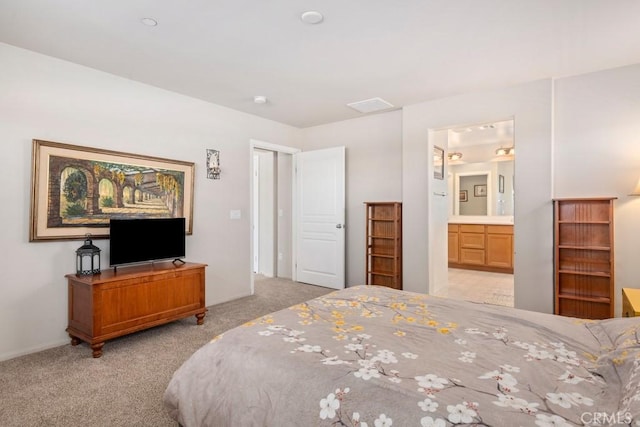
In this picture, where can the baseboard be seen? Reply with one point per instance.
(8, 356)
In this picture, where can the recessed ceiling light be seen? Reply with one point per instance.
(150, 22)
(259, 99)
(311, 17)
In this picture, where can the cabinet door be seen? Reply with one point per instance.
(472, 240)
(472, 256)
(500, 250)
(453, 247)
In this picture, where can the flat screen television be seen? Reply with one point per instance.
(145, 240)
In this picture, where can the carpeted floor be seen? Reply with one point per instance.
(65, 386)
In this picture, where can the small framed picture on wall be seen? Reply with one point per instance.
(500, 183)
(438, 162)
(480, 190)
(464, 196)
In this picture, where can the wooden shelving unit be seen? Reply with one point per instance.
(584, 257)
(384, 244)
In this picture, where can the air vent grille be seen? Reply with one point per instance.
(370, 105)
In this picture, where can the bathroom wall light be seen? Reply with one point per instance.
(508, 151)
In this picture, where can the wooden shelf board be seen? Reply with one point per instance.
(585, 273)
(586, 248)
(380, 273)
(382, 237)
(383, 256)
(585, 222)
(381, 219)
(600, 300)
(584, 260)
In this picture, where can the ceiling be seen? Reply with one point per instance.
(408, 51)
(500, 132)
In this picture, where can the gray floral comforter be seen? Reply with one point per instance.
(372, 356)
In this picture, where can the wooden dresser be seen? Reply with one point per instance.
(112, 304)
(486, 247)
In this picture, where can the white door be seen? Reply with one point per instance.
(320, 199)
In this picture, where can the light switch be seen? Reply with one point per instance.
(235, 214)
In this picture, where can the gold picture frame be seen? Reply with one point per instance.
(75, 190)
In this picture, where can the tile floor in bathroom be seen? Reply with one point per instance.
(480, 286)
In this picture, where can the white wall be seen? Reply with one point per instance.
(373, 172)
(597, 154)
(530, 106)
(54, 100)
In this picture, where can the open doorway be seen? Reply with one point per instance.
(480, 164)
(265, 203)
(297, 219)
(271, 211)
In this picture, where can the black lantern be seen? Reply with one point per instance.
(87, 258)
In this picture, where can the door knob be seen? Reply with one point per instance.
(338, 225)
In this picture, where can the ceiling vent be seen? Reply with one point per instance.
(370, 105)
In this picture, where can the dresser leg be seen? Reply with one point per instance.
(74, 340)
(97, 349)
(200, 318)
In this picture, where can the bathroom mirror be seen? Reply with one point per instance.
(480, 169)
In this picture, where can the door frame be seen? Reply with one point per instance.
(431, 285)
(256, 143)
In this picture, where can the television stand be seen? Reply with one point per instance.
(116, 303)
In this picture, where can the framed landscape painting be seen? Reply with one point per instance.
(76, 190)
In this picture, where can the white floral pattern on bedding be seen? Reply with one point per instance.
(373, 356)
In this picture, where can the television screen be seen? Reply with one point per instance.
(140, 240)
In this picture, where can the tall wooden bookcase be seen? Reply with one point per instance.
(384, 244)
(584, 257)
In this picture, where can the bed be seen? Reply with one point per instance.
(375, 356)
